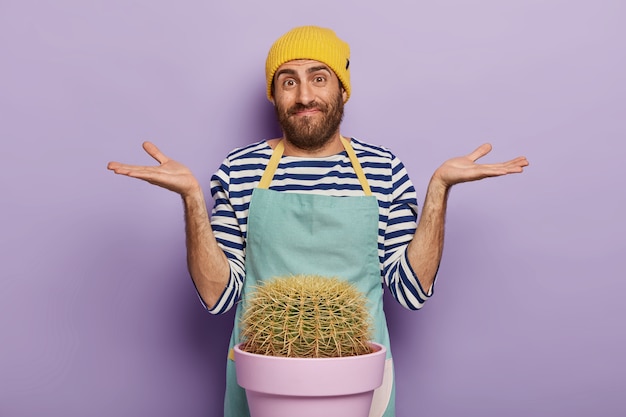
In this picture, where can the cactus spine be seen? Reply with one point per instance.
(306, 316)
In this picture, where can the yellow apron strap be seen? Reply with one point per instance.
(231, 354)
(268, 174)
(357, 166)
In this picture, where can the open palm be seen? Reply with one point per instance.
(169, 174)
(465, 169)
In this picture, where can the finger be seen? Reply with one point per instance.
(154, 152)
(517, 164)
(136, 171)
(113, 165)
(522, 161)
(119, 168)
(148, 174)
(510, 167)
(479, 152)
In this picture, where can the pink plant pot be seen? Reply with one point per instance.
(310, 387)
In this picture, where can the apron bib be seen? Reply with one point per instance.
(290, 234)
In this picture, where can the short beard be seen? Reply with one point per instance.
(307, 134)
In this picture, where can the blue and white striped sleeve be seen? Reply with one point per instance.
(230, 238)
(401, 224)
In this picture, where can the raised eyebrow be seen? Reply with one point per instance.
(289, 71)
(286, 71)
(318, 68)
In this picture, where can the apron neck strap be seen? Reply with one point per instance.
(268, 174)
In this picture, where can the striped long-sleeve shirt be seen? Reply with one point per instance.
(241, 171)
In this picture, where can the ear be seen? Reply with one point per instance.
(344, 94)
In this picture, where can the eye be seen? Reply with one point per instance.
(289, 82)
(319, 79)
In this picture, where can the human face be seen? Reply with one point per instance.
(308, 99)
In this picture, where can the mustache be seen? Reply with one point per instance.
(302, 107)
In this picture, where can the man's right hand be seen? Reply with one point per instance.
(169, 174)
(208, 265)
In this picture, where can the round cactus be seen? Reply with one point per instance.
(306, 316)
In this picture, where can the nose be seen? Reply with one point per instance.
(305, 94)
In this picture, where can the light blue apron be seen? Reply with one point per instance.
(292, 234)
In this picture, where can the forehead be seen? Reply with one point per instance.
(297, 66)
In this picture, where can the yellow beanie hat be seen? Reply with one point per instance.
(310, 42)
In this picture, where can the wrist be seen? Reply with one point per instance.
(193, 195)
(438, 184)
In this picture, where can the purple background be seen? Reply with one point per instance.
(98, 316)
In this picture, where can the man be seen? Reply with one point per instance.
(314, 202)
